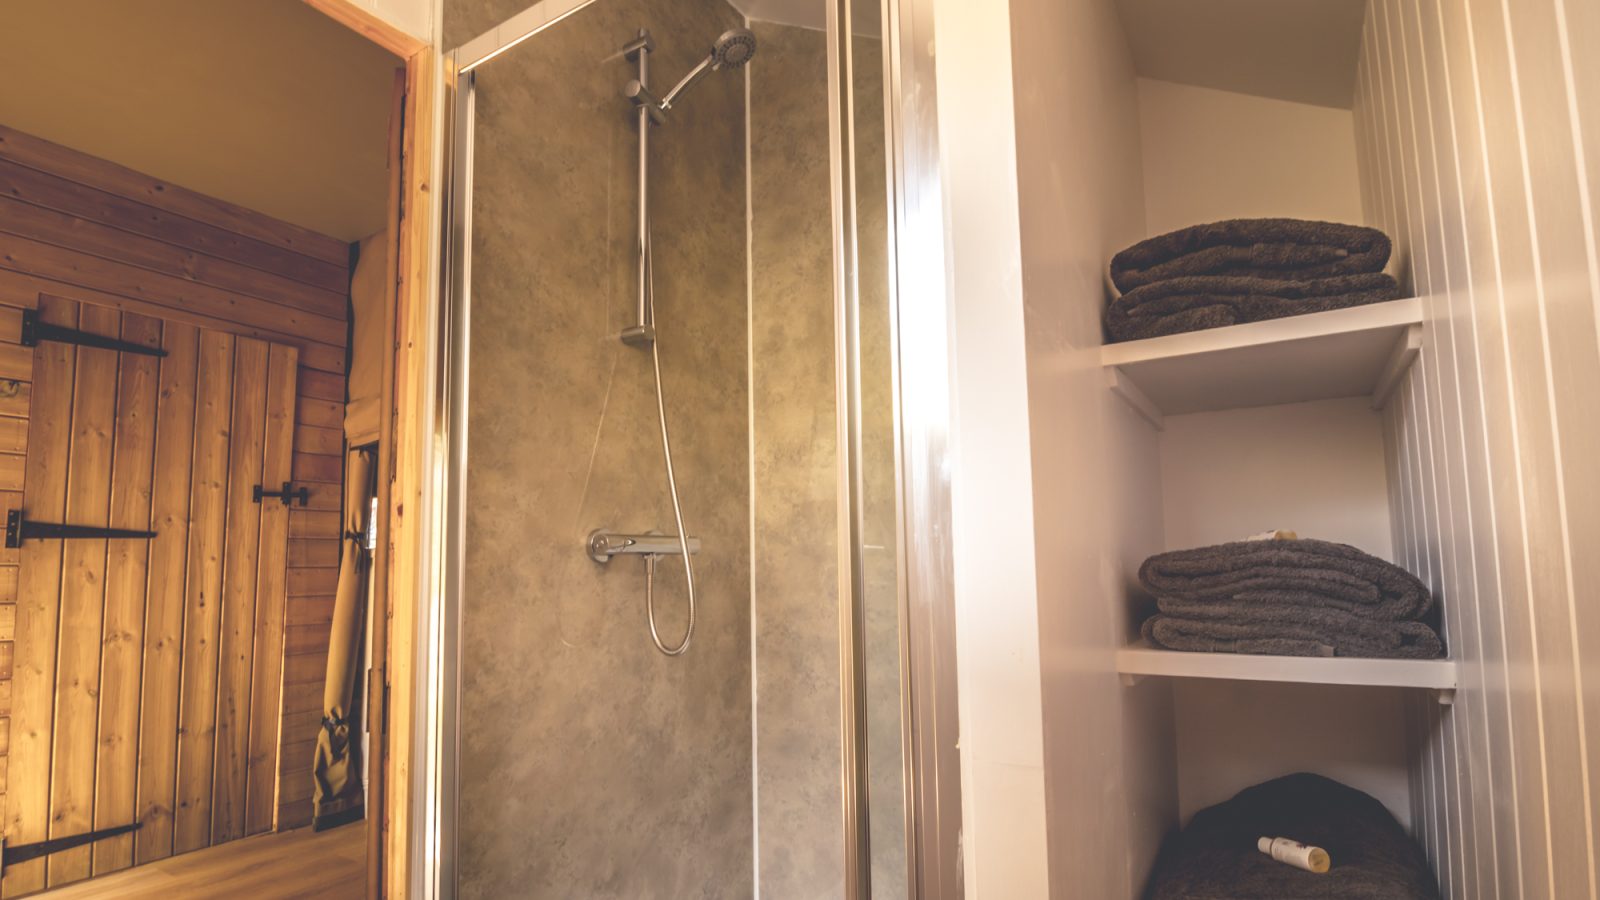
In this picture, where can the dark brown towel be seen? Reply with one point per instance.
(1198, 302)
(1296, 631)
(1224, 580)
(1281, 249)
(1215, 858)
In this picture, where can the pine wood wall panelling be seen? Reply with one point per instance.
(38, 593)
(73, 267)
(164, 604)
(84, 236)
(127, 570)
(81, 201)
(83, 567)
(81, 168)
(157, 250)
(1505, 111)
(202, 615)
(22, 290)
(271, 600)
(239, 577)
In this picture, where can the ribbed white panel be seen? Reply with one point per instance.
(1478, 135)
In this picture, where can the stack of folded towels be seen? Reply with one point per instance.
(1288, 597)
(1244, 270)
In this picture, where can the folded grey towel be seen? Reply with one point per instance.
(1296, 631)
(1215, 857)
(1194, 303)
(1229, 580)
(1282, 249)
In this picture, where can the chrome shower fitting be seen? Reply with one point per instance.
(732, 50)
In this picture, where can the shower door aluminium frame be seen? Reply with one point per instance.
(920, 353)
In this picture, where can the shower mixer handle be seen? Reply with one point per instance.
(602, 545)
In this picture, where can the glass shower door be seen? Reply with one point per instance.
(580, 755)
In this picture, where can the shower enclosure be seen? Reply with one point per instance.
(679, 661)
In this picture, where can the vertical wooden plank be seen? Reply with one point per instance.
(117, 768)
(1537, 454)
(83, 569)
(164, 603)
(1567, 288)
(271, 596)
(197, 707)
(239, 563)
(1500, 537)
(38, 601)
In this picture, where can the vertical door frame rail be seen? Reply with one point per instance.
(920, 326)
(403, 563)
(919, 343)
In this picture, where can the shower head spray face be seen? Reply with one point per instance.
(731, 51)
(734, 48)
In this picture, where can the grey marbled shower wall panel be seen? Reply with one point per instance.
(590, 764)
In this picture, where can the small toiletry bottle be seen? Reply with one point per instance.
(1284, 850)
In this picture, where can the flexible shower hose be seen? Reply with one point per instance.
(672, 488)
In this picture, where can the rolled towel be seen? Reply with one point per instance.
(1217, 854)
(1295, 631)
(1223, 579)
(1285, 249)
(1195, 303)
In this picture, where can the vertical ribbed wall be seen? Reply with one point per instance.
(1478, 125)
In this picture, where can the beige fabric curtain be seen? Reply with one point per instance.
(337, 769)
(365, 384)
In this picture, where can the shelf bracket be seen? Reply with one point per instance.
(1445, 696)
(1400, 359)
(1123, 386)
(1129, 679)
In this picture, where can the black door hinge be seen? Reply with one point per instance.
(34, 331)
(19, 529)
(287, 494)
(24, 852)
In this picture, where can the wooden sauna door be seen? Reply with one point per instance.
(147, 671)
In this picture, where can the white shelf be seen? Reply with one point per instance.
(1360, 351)
(1141, 660)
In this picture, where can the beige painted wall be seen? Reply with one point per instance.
(269, 105)
(1097, 482)
(1211, 154)
(1317, 469)
(1068, 779)
(592, 765)
(1479, 136)
(996, 601)
(414, 17)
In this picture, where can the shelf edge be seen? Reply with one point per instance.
(1141, 660)
(1371, 317)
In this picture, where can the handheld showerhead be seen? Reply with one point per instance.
(732, 50)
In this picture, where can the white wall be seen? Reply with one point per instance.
(1478, 125)
(1317, 469)
(1211, 154)
(415, 17)
(997, 629)
(1095, 473)
(1313, 468)
(1235, 734)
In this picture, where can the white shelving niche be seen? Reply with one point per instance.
(1276, 424)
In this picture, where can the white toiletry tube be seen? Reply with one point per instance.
(1284, 850)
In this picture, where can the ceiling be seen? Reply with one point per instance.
(1300, 50)
(268, 104)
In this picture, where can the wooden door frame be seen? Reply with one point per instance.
(408, 324)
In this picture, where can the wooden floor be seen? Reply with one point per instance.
(293, 864)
